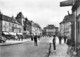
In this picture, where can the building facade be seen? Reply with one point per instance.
(36, 29)
(26, 24)
(50, 30)
(9, 26)
(18, 27)
(67, 26)
(62, 28)
(20, 18)
(27, 27)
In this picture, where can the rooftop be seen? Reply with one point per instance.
(8, 19)
(50, 27)
(68, 18)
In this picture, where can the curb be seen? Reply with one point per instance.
(9, 44)
(49, 50)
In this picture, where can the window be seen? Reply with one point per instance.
(19, 30)
(24, 28)
(12, 29)
(7, 26)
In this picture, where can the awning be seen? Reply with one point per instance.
(6, 33)
(12, 33)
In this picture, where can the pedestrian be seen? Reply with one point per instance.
(39, 37)
(54, 42)
(60, 38)
(32, 36)
(35, 40)
(65, 37)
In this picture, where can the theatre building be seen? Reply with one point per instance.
(50, 30)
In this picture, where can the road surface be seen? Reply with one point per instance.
(27, 49)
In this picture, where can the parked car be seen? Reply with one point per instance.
(2, 39)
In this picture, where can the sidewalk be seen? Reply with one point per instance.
(61, 51)
(13, 42)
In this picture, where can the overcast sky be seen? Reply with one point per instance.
(43, 12)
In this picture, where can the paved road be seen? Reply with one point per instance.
(27, 49)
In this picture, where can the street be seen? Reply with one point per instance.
(27, 49)
(40, 28)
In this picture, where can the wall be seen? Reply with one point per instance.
(0, 25)
(5, 26)
(62, 29)
(50, 32)
(67, 29)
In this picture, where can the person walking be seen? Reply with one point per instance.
(54, 42)
(35, 40)
(65, 37)
(32, 36)
(60, 38)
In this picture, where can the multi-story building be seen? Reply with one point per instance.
(9, 26)
(66, 26)
(39, 30)
(20, 27)
(76, 13)
(20, 18)
(50, 30)
(62, 28)
(26, 24)
(36, 29)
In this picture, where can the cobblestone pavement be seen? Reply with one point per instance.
(61, 51)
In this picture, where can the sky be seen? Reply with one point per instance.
(43, 12)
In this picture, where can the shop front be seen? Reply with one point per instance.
(13, 36)
(20, 36)
(6, 35)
